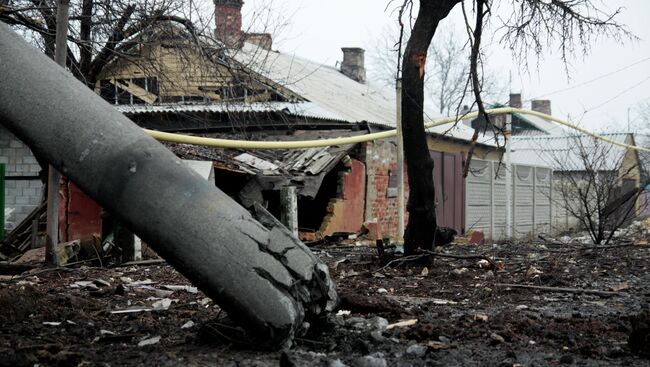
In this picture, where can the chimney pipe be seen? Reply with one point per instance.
(353, 64)
(515, 100)
(227, 18)
(262, 40)
(541, 105)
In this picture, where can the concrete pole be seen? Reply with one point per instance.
(54, 177)
(509, 193)
(289, 209)
(2, 201)
(259, 273)
(61, 48)
(400, 162)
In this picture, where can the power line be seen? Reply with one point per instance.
(616, 96)
(591, 80)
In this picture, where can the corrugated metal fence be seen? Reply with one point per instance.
(486, 199)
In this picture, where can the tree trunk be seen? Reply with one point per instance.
(421, 227)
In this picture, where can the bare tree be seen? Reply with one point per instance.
(644, 107)
(102, 32)
(639, 123)
(528, 28)
(642, 110)
(141, 52)
(99, 32)
(445, 85)
(596, 183)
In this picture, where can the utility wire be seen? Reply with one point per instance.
(589, 81)
(616, 96)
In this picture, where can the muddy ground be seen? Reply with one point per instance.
(467, 314)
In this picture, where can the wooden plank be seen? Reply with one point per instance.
(25, 224)
(136, 91)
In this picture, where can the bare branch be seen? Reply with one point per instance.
(573, 25)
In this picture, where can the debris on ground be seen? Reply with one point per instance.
(551, 303)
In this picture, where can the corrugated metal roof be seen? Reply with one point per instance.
(544, 125)
(303, 109)
(462, 131)
(563, 152)
(203, 107)
(330, 94)
(333, 93)
(322, 84)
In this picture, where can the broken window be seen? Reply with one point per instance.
(129, 91)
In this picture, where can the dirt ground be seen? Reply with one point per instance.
(468, 313)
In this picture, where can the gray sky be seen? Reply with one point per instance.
(318, 29)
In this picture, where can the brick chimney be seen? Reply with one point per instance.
(515, 100)
(227, 18)
(262, 40)
(353, 64)
(541, 105)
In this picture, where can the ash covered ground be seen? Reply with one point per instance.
(592, 310)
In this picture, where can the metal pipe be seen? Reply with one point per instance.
(262, 276)
(400, 163)
(2, 201)
(509, 193)
(249, 144)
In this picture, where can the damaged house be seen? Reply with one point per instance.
(240, 88)
(262, 94)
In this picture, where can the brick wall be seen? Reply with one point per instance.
(380, 161)
(23, 188)
(345, 211)
(227, 16)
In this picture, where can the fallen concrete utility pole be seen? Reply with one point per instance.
(267, 280)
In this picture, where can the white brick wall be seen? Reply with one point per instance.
(23, 189)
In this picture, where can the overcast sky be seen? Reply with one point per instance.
(318, 29)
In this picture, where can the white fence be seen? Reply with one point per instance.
(485, 204)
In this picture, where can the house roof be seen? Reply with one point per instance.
(302, 109)
(303, 168)
(335, 95)
(323, 85)
(330, 94)
(563, 152)
(542, 124)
